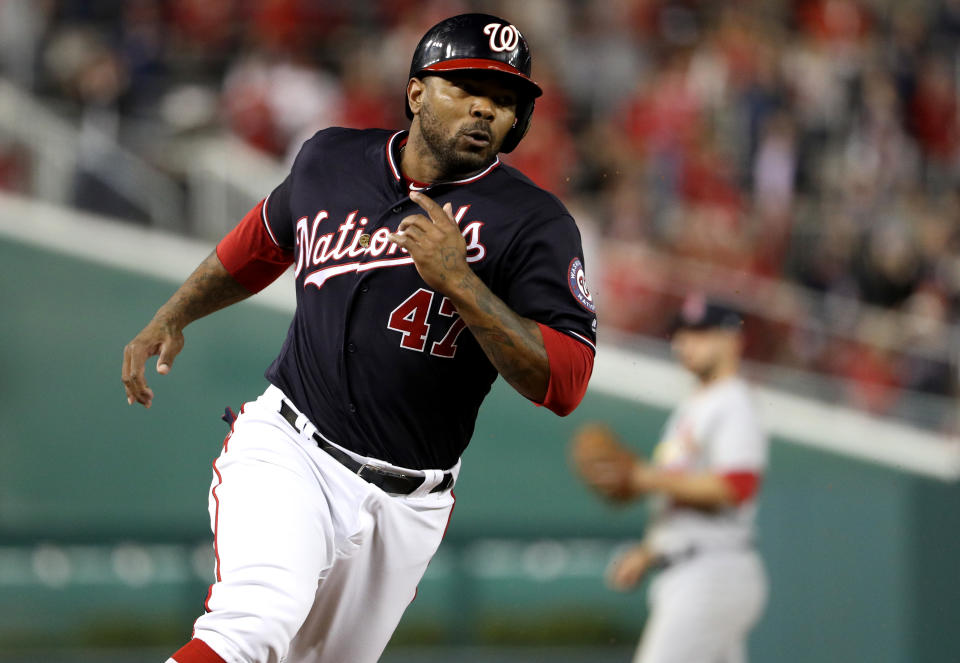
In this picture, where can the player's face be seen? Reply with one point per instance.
(703, 351)
(464, 119)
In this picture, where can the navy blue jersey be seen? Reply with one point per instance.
(380, 363)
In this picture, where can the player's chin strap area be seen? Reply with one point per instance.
(387, 480)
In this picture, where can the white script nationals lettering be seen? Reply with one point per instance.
(351, 246)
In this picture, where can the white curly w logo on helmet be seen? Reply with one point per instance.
(502, 37)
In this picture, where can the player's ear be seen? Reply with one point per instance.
(415, 90)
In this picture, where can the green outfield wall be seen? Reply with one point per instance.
(104, 530)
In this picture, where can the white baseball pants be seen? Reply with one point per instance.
(313, 564)
(702, 609)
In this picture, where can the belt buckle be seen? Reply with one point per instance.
(365, 466)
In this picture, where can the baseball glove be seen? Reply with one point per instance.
(603, 463)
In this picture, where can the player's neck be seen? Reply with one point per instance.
(419, 164)
(719, 373)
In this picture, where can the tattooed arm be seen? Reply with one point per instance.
(210, 288)
(513, 344)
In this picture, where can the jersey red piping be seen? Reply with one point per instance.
(413, 185)
(442, 536)
(266, 222)
(393, 167)
(583, 339)
(216, 525)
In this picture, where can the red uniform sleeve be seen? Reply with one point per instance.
(743, 484)
(250, 253)
(571, 363)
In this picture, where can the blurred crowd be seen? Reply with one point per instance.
(800, 158)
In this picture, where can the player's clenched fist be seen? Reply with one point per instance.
(435, 243)
(603, 463)
(157, 338)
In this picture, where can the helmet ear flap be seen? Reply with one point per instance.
(521, 124)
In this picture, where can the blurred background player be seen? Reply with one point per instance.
(702, 483)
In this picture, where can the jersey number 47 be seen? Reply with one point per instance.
(410, 319)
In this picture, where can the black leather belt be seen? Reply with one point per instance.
(387, 480)
(666, 561)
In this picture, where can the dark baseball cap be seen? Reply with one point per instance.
(700, 313)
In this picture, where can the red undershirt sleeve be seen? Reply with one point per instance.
(250, 254)
(743, 484)
(571, 363)
(197, 651)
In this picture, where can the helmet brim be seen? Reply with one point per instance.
(528, 86)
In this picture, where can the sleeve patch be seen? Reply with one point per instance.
(578, 285)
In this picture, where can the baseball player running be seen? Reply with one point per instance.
(424, 267)
(702, 482)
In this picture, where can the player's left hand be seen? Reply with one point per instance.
(435, 243)
(627, 569)
(604, 464)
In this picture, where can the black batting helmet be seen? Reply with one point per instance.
(480, 42)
